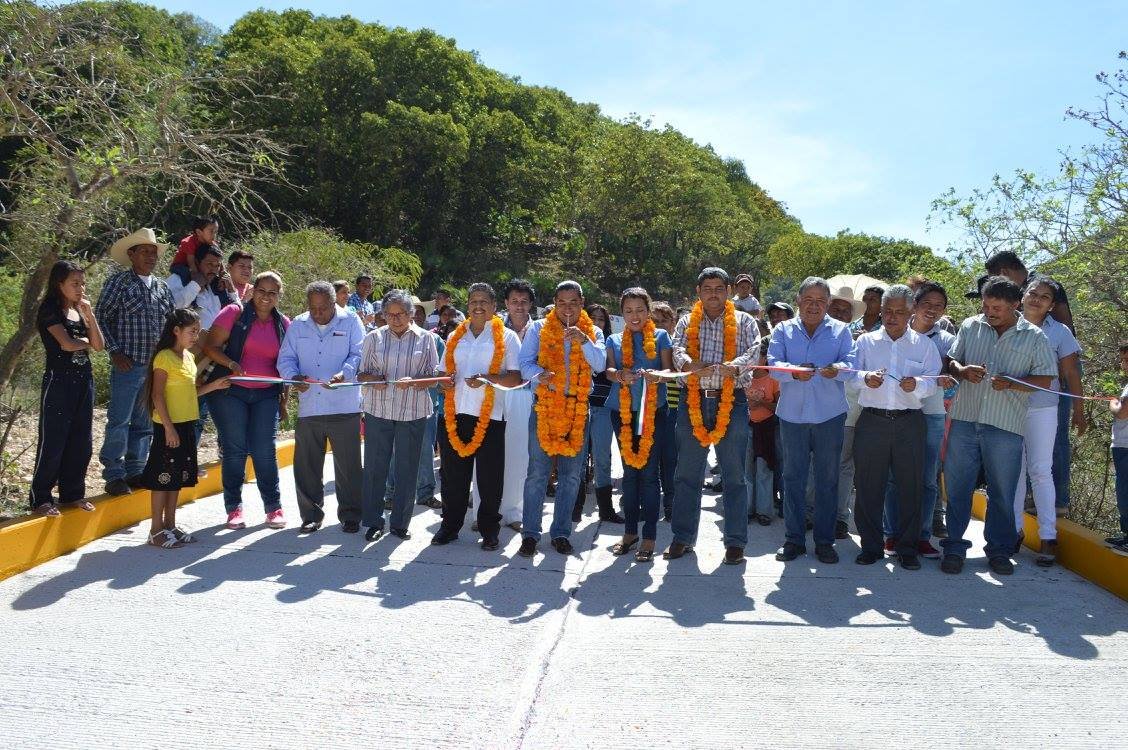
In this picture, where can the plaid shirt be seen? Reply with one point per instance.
(132, 315)
(391, 357)
(712, 336)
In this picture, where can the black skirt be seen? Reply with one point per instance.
(171, 468)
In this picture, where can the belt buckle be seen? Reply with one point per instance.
(711, 392)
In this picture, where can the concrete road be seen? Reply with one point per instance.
(268, 639)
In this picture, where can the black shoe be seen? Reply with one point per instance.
(430, 502)
(1001, 566)
(607, 512)
(869, 558)
(489, 545)
(734, 555)
(373, 533)
(789, 551)
(562, 545)
(826, 554)
(528, 547)
(135, 482)
(443, 536)
(310, 526)
(952, 564)
(939, 528)
(910, 562)
(402, 533)
(349, 527)
(117, 487)
(676, 550)
(841, 530)
(763, 519)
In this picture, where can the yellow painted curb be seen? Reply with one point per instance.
(27, 542)
(1080, 549)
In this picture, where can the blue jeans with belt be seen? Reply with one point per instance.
(731, 452)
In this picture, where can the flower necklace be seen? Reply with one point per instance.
(693, 349)
(631, 457)
(560, 420)
(450, 409)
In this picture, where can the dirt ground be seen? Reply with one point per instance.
(19, 461)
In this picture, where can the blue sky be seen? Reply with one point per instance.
(855, 114)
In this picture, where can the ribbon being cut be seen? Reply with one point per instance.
(269, 380)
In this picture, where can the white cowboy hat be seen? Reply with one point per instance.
(846, 293)
(119, 251)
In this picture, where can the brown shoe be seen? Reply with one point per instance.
(1047, 554)
(676, 550)
(734, 555)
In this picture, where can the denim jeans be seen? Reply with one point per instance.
(1120, 466)
(665, 441)
(1062, 452)
(568, 477)
(425, 476)
(732, 449)
(389, 443)
(600, 431)
(129, 428)
(246, 420)
(972, 445)
(817, 448)
(640, 490)
(760, 481)
(933, 439)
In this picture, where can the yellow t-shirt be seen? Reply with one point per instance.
(180, 388)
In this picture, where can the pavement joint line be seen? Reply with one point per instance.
(550, 640)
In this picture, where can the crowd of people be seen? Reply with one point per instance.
(878, 408)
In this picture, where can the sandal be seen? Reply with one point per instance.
(80, 504)
(620, 548)
(164, 539)
(644, 555)
(47, 509)
(183, 536)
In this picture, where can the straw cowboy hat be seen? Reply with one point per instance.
(846, 293)
(119, 251)
(428, 306)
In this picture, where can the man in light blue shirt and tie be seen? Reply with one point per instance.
(323, 345)
(812, 415)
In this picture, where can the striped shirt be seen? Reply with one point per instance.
(711, 335)
(391, 357)
(1021, 351)
(132, 313)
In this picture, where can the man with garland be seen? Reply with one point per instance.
(716, 343)
(558, 424)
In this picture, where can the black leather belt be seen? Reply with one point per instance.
(889, 413)
(710, 392)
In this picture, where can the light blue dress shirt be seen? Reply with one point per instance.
(308, 351)
(594, 352)
(818, 399)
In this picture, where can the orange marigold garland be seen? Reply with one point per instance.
(631, 457)
(693, 349)
(560, 418)
(450, 408)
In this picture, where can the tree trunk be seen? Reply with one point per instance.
(29, 303)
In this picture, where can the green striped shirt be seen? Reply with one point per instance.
(1021, 351)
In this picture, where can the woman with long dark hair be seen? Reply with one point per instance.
(245, 339)
(69, 332)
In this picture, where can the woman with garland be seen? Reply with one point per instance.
(559, 353)
(715, 343)
(632, 356)
(480, 353)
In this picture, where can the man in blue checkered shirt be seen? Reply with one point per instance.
(131, 311)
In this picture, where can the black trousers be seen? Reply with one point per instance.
(66, 418)
(457, 471)
(892, 441)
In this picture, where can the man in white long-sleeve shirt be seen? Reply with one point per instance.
(890, 431)
(201, 292)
